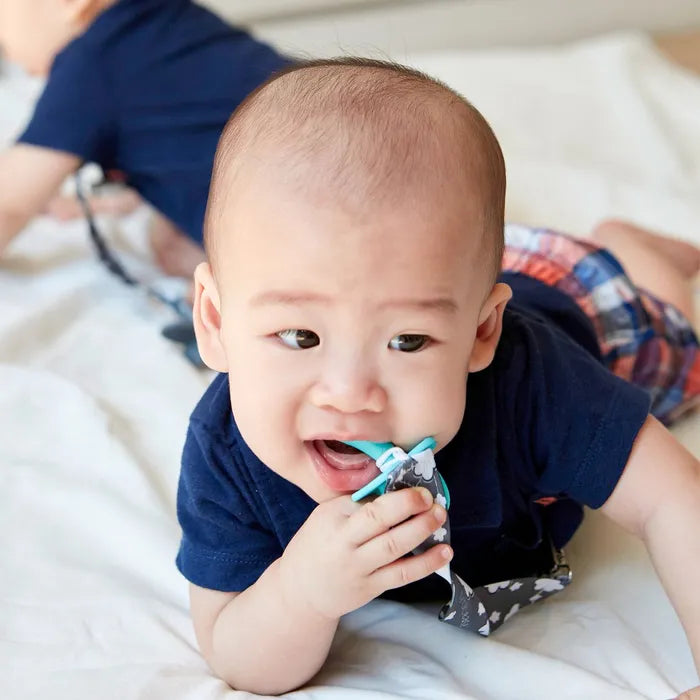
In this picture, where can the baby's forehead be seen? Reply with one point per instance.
(284, 233)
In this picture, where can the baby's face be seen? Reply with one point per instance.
(343, 327)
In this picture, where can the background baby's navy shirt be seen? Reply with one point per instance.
(544, 422)
(147, 90)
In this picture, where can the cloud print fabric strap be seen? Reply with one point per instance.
(485, 608)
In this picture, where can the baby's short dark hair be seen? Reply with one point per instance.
(395, 125)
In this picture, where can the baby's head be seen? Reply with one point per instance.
(354, 234)
(32, 32)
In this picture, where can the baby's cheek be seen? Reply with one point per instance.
(253, 414)
(443, 411)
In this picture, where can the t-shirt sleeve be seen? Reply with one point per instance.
(224, 545)
(75, 112)
(579, 420)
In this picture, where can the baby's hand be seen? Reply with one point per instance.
(348, 553)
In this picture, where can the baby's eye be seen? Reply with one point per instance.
(408, 342)
(298, 339)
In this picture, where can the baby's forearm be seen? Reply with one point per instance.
(673, 539)
(266, 642)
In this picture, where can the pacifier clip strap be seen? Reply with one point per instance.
(485, 608)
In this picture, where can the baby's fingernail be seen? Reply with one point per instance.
(439, 512)
(426, 495)
(446, 553)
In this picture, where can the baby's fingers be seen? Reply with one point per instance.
(385, 512)
(400, 540)
(410, 569)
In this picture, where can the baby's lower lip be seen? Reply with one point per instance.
(343, 474)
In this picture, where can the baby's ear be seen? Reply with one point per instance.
(488, 332)
(207, 319)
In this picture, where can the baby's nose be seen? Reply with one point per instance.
(349, 390)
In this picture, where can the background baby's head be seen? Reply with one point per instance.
(362, 135)
(33, 32)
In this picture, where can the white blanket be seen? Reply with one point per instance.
(94, 405)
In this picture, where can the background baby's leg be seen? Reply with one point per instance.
(661, 265)
(173, 251)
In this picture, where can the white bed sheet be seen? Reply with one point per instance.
(94, 404)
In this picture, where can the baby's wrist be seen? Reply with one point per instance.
(296, 597)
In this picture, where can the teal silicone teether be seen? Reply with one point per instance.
(388, 457)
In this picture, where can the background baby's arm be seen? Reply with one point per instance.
(658, 498)
(29, 177)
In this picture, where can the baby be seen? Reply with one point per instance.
(142, 87)
(355, 291)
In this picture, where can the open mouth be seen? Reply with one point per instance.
(340, 455)
(342, 467)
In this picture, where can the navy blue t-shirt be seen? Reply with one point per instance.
(546, 420)
(147, 90)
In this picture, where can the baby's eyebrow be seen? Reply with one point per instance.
(275, 297)
(444, 305)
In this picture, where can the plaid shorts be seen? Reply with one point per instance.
(643, 340)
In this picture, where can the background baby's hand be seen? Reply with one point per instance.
(348, 553)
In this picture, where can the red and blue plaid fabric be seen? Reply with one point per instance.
(643, 340)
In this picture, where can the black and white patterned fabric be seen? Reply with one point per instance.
(485, 608)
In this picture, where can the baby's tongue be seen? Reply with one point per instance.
(342, 456)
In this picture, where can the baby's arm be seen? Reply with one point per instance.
(29, 177)
(275, 635)
(256, 640)
(658, 498)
